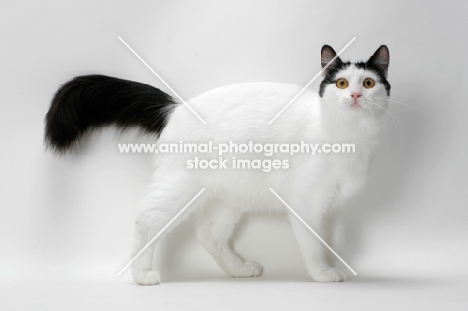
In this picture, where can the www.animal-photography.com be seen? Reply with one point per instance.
(234, 155)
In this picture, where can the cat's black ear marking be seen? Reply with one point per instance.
(327, 56)
(380, 59)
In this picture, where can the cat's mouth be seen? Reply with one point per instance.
(355, 105)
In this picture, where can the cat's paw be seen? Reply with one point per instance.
(248, 269)
(329, 275)
(147, 277)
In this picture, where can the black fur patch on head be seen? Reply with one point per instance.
(377, 63)
(377, 71)
(330, 76)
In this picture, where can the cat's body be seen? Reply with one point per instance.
(314, 186)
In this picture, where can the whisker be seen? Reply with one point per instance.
(378, 121)
(393, 97)
(374, 117)
(390, 114)
(398, 102)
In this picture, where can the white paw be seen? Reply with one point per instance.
(147, 278)
(248, 269)
(329, 275)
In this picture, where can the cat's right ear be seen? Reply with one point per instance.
(328, 53)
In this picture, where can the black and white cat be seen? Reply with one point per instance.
(348, 108)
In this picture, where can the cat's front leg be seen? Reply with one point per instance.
(313, 210)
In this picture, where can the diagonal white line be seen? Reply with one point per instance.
(310, 82)
(161, 79)
(160, 232)
(312, 230)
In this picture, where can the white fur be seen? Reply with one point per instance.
(314, 186)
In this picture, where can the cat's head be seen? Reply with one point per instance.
(360, 87)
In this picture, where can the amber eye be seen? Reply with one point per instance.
(368, 83)
(342, 83)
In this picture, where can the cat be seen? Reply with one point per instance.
(348, 108)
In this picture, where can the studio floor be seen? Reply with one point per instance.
(360, 293)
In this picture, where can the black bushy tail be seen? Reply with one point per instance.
(96, 100)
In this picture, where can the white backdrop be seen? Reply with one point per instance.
(72, 217)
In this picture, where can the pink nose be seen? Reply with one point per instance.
(356, 95)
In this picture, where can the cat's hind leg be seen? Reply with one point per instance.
(215, 226)
(142, 268)
(156, 210)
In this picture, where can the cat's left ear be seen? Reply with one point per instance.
(380, 59)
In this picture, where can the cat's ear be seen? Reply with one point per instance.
(380, 59)
(327, 56)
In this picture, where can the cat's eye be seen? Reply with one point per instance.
(342, 83)
(369, 83)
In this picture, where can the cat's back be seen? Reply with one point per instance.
(244, 110)
(246, 91)
(259, 96)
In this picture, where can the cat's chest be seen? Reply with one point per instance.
(357, 147)
(351, 170)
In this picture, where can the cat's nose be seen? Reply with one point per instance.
(356, 95)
